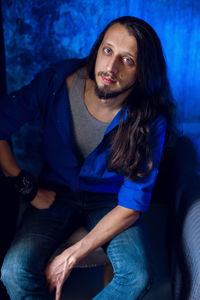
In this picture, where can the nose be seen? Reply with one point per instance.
(112, 65)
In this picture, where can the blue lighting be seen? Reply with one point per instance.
(40, 32)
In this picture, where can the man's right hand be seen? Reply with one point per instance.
(43, 199)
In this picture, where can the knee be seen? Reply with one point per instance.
(11, 272)
(143, 280)
(18, 270)
(134, 278)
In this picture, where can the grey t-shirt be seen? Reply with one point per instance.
(88, 131)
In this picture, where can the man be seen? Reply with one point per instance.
(104, 125)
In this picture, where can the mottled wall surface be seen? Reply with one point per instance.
(40, 32)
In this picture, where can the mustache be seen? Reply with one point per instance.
(106, 74)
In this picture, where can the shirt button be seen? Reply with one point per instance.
(13, 96)
(54, 93)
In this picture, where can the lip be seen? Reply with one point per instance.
(107, 80)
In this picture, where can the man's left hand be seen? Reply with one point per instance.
(58, 270)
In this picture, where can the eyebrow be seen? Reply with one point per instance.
(125, 52)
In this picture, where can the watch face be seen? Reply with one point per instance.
(25, 186)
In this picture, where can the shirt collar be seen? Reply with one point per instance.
(65, 68)
(116, 121)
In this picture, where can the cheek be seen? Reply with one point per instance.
(97, 67)
(101, 62)
(98, 60)
(128, 76)
(132, 76)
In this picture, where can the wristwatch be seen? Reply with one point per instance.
(25, 186)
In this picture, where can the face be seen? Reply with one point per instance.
(116, 63)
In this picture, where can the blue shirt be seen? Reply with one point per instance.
(46, 98)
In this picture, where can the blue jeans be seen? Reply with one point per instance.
(41, 231)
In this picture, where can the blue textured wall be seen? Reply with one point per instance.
(40, 32)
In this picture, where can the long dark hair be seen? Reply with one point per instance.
(151, 97)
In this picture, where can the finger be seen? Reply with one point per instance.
(50, 284)
(58, 292)
(52, 200)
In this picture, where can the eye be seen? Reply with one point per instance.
(128, 60)
(107, 50)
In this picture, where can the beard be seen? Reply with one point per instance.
(105, 93)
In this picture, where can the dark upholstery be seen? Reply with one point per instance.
(185, 223)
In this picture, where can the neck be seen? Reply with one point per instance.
(102, 109)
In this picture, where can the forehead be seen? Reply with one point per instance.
(119, 37)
